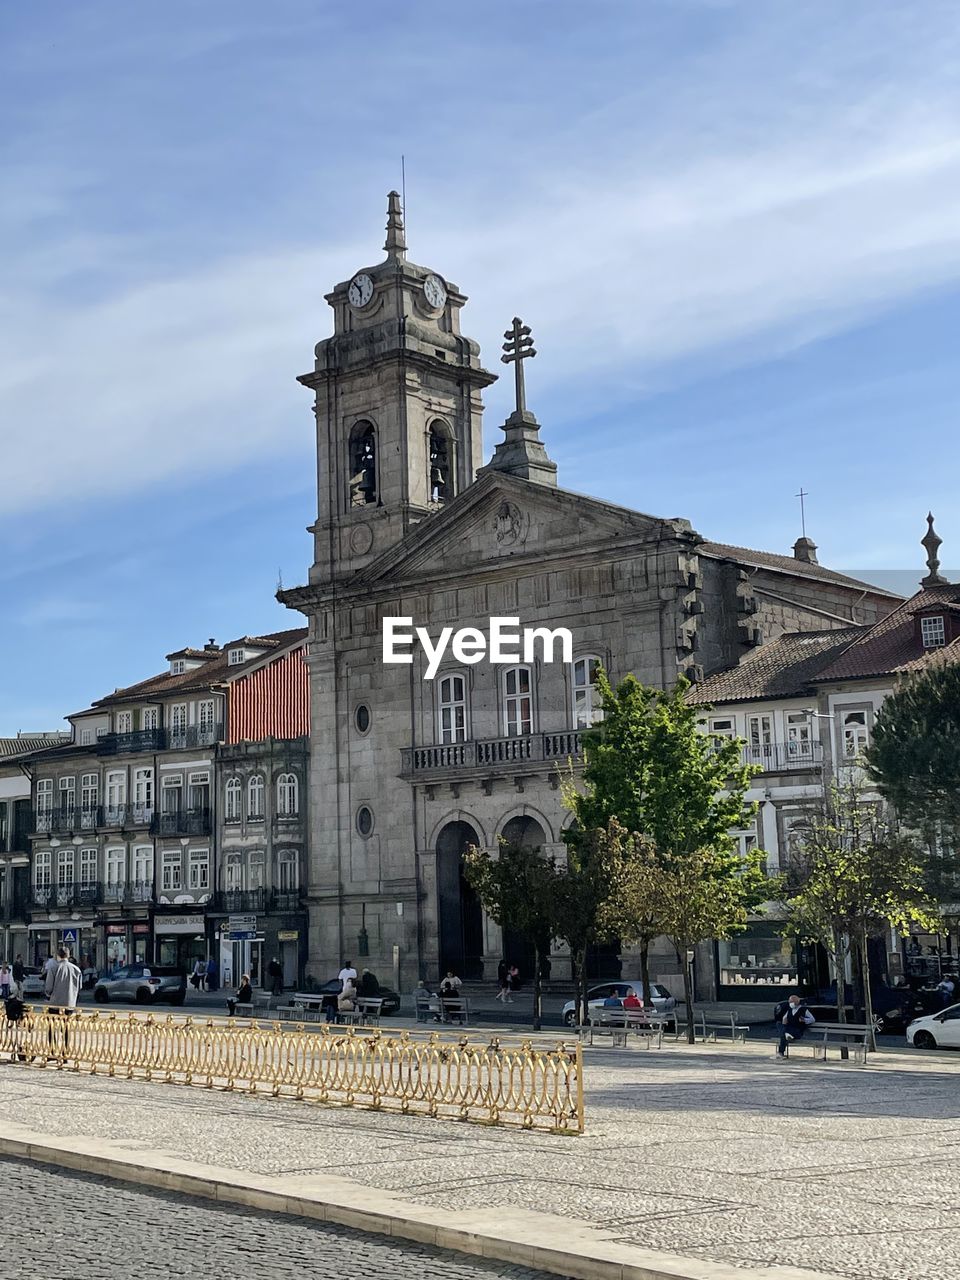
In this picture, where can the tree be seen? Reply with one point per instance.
(519, 890)
(854, 873)
(914, 756)
(668, 785)
(583, 887)
(704, 894)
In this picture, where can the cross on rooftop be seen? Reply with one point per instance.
(518, 347)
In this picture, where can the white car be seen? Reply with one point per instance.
(936, 1030)
(663, 1001)
(33, 983)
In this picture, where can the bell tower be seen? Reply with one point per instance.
(398, 407)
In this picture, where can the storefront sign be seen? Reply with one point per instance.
(288, 935)
(178, 924)
(141, 928)
(116, 928)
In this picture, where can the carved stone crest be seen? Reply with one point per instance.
(510, 525)
(361, 539)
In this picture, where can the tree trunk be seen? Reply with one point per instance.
(536, 987)
(580, 960)
(688, 998)
(860, 978)
(645, 973)
(839, 957)
(867, 993)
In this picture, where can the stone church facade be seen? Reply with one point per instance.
(406, 772)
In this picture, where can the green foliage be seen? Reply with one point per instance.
(915, 752)
(519, 890)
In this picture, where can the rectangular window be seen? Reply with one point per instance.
(88, 866)
(41, 869)
(198, 792)
(64, 868)
(171, 793)
(124, 722)
(199, 868)
(68, 795)
(178, 725)
(933, 633)
(143, 865)
(232, 800)
(855, 735)
(586, 697)
(799, 735)
(236, 656)
(723, 727)
(44, 803)
(256, 869)
(86, 737)
(453, 709)
(288, 871)
(149, 718)
(116, 866)
(205, 715)
(234, 872)
(760, 737)
(517, 702)
(116, 794)
(177, 667)
(143, 790)
(171, 873)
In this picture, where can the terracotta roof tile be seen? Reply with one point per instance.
(781, 668)
(891, 646)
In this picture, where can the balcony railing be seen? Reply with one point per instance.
(194, 735)
(70, 894)
(131, 891)
(181, 822)
(236, 900)
(774, 757)
(286, 900)
(115, 744)
(484, 754)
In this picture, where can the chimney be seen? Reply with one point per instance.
(211, 644)
(805, 549)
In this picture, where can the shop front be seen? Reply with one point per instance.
(763, 963)
(180, 939)
(125, 942)
(46, 937)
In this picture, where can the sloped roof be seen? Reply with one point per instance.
(782, 668)
(215, 671)
(25, 744)
(892, 646)
(789, 564)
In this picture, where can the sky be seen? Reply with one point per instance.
(733, 227)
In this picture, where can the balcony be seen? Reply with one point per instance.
(194, 735)
(527, 753)
(129, 893)
(286, 900)
(234, 901)
(181, 822)
(70, 894)
(115, 744)
(784, 757)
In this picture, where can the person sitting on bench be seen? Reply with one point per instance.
(795, 1021)
(244, 995)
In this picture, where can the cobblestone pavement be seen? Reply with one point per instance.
(711, 1151)
(72, 1224)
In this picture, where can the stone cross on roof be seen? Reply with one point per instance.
(518, 347)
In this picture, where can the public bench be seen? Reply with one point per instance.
(852, 1036)
(455, 1009)
(705, 1029)
(618, 1024)
(366, 1013)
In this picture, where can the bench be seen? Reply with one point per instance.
(458, 1008)
(422, 1007)
(705, 1030)
(619, 1023)
(366, 1013)
(298, 1013)
(845, 1035)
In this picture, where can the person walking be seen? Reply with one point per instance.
(18, 973)
(6, 982)
(199, 975)
(503, 981)
(794, 1023)
(62, 986)
(513, 982)
(211, 975)
(275, 974)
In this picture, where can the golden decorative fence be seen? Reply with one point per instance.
(535, 1086)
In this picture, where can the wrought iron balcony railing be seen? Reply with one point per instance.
(194, 735)
(181, 822)
(115, 744)
(483, 755)
(127, 892)
(780, 757)
(70, 894)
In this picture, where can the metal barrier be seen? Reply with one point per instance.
(537, 1087)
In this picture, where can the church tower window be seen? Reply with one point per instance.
(440, 479)
(364, 489)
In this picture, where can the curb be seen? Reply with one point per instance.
(544, 1242)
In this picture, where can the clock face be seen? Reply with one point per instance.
(360, 291)
(435, 291)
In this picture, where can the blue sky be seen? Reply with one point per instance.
(734, 228)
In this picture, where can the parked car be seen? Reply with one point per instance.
(146, 984)
(936, 1030)
(90, 978)
(33, 987)
(331, 989)
(663, 1001)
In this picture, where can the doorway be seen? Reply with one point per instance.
(459, 911)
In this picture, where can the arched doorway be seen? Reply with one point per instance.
(527, 833)
(458, 907)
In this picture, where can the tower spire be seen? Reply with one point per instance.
(396, 242)
(931, 542)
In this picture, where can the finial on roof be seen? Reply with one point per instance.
(396, 242)
(522, 452)
(805, 549)
(931, 541)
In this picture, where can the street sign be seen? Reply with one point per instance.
(241, 935)
(242, 924)
(68, 935)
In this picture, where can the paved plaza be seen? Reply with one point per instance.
(710, 1152)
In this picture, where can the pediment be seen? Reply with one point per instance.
(504, 519)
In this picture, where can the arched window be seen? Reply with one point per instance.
(364, 489)
(231, 807)
(517, 701)
(288, 871)
(440, 469)
(255, 796)
(452, 709)
(233, 872)
(586, 697)
(288, 796)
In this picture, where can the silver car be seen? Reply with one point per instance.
(663, 1001)
(143, 983)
